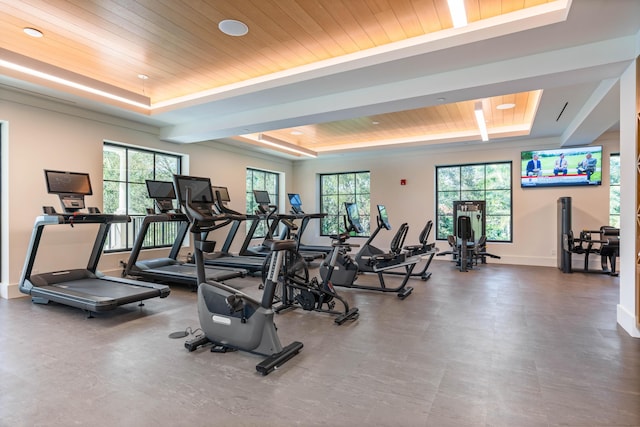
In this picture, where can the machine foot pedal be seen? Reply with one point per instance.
(352, 314)
(405, 293)
(276, 360)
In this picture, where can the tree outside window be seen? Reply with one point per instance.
(614, 190)
(335, 190)
(125, 170)
(484, 181)
(261, 180)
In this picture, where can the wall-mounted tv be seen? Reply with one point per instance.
(561, 167)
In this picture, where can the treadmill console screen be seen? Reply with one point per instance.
(71, 187)
(384, 218)
(261, 197)
(68, 182)
(223, 192)
(201, 193)
(353, 217)
(296, 202)
(160, 189)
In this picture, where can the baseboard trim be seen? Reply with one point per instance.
(627, 321)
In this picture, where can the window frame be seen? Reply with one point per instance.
(614, 187)
(251, 205)
(460, 190)
(158, 232)
(362, 199)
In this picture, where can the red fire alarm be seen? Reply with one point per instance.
(403, 182)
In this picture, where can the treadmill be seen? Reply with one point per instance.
(269, 213)
(84, 288)
(296, 209)
(168, 269)
(224, 257)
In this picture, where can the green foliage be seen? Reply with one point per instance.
(336, 189)
(490, 182)
(124, 171)
(260, 180)
(614, 190)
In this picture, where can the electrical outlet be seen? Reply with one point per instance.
(553, 252)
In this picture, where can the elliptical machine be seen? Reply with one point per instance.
(287, 270)
(230, 319)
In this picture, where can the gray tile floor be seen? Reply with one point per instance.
(497, 346)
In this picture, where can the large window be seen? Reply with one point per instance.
(125, 171)
(614, 190)
(485, 181)
(265, 181)
(335, 189)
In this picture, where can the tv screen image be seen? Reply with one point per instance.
(561, 167)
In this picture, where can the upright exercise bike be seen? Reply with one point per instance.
(286, 270)
(230, 319)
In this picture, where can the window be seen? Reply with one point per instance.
(614, 190)
(125, 170)
(266, 181)
(335, 189)
(485, 181)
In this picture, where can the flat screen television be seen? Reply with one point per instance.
(561, 167)
(59, 182)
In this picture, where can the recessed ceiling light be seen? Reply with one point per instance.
(507, 106)
(231, 27)
(375, 122)
(32, 32)
(296, 132)
(441, 99)
(143, 77)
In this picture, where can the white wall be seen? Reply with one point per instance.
(534, 210)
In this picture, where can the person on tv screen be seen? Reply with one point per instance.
(534, 167)
(561, 165)
(588, 166)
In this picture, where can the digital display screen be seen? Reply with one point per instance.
(223, 191)
(261, 197)
(200, 189)
(561, 167)
(59, 182)
(160, 189)
(382, 214)
(294, 199)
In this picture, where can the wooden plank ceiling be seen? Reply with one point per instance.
(177, 44)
